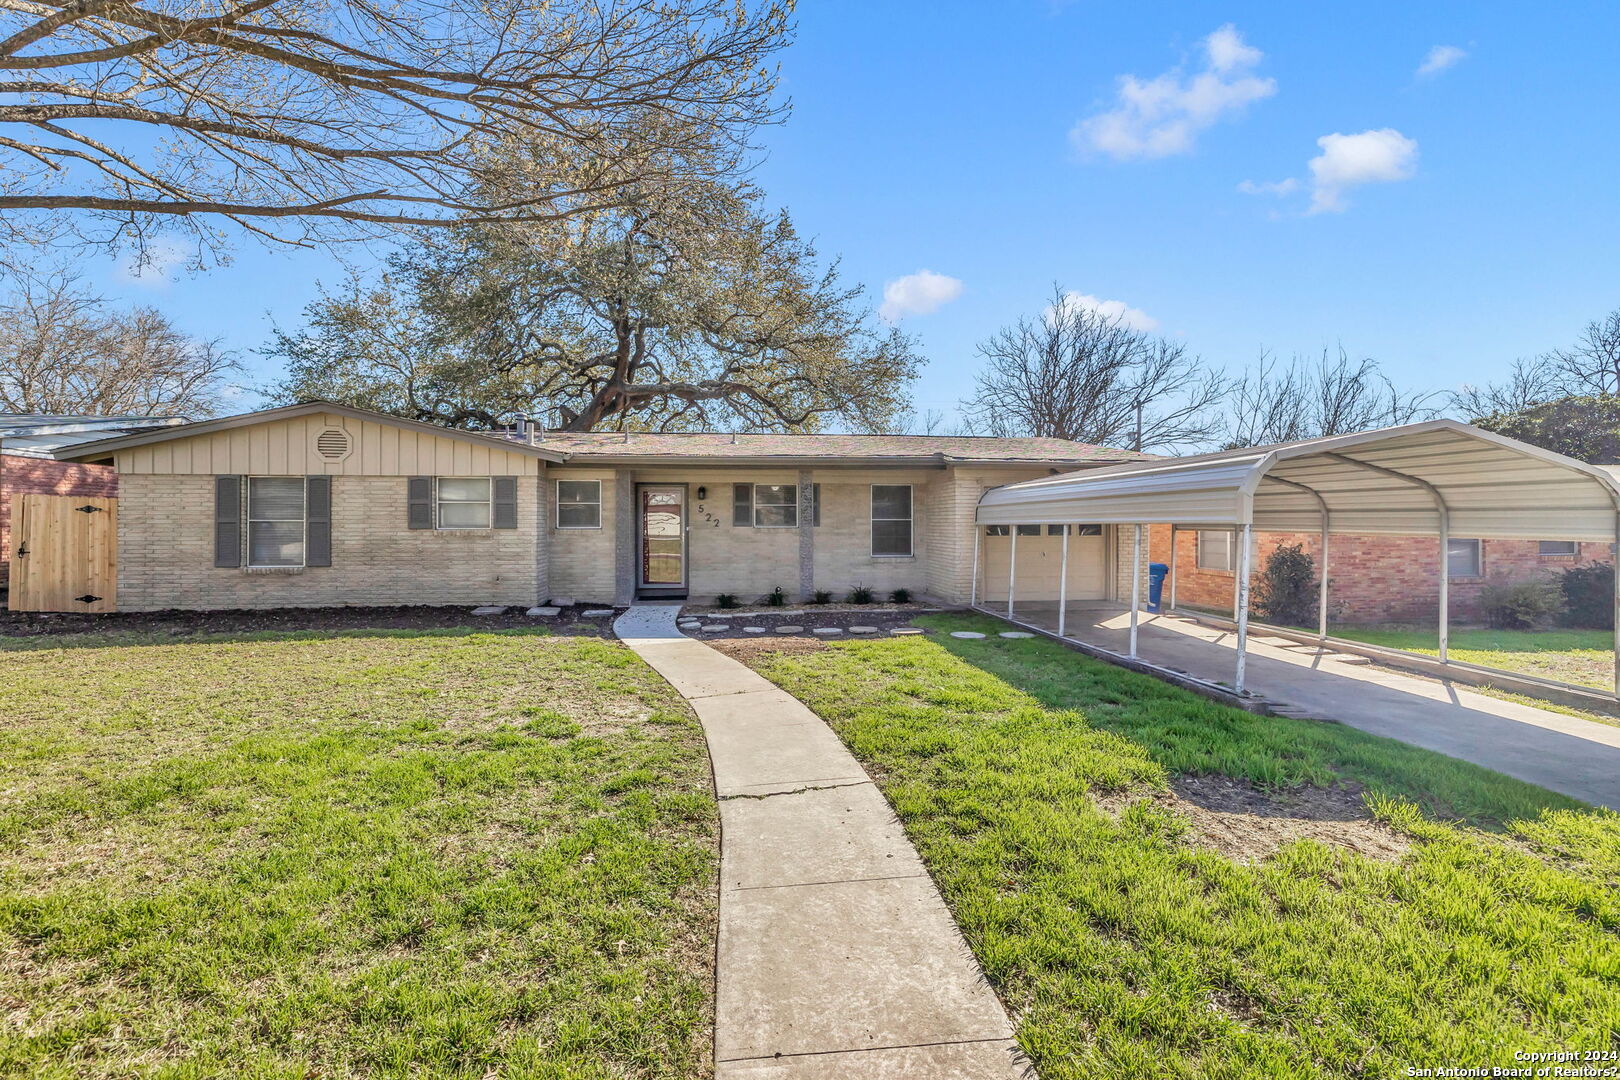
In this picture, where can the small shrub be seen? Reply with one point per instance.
(1520, 605)
(776, 597)
(860, 594)
(1285, 591)
(901, 596)
(822, 596)
(725, 600)
(1588, 593)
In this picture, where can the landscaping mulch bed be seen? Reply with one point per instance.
(885, 620)
(569, 621)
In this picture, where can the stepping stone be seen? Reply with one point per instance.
(906, 631)
(562, 601)
(543, 612)
(790, 629)
(1015, 634)
(715, 628)
(863, 629)
(828, 630)
(597, 613)
(753, 629)
(490, 609)
(967, 634)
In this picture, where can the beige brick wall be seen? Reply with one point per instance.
(844, 556)
(581, 560)
(166, 552)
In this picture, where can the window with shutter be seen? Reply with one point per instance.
(505, 502)
(464, 502)
(275, 521)
(742, 505)
(419, 502)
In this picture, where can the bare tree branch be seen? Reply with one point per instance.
(326, 119)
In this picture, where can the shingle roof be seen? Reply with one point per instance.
(602, 445)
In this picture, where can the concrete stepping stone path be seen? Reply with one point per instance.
(827, 630)
(971, 635)
(838, 959)
(1015, 634)
(863, 629)
(543, 612)
(790, 629)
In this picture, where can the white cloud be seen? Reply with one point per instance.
(1347, 161)
(918, 294)
(1269, 187)
(1440, 57)
(1118, 310)
(1163, 116)
(155, 264)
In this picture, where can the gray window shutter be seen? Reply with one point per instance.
(227, 521)
(742, 505)
(505, 497)
(419, 502)
(317, 521)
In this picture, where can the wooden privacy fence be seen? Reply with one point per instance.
(64, 553)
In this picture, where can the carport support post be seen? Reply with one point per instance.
(1322, 586)
(1171, 604)
(1136, 584)
(973, 589)
(1616, 563)
(1063, 580)
(1445, 581)
(1012, 567)
(1243, 605)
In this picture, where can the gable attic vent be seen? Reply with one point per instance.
(333, 444)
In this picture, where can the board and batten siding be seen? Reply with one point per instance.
(287, 448)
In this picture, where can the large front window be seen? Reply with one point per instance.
(275, 521)
(464, 502)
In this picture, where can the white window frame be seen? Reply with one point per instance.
(249, 520)
(488, 503)
(1231, 550)
(1479, 560)
(910, 519)
(1541, 549)
(557, 503)
(755, 506)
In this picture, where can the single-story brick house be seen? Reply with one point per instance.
(28, 465)
(319, 504)
(1375, 579)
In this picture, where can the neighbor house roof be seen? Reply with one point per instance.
(648, 448)
(602, 447)
(1394, 481)
(43, 434)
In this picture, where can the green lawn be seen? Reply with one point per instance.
(380, 854)
(1582, 657)
(1123, 948)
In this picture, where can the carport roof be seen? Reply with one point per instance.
(1389, 481)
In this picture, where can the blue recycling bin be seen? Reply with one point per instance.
(1157, 572)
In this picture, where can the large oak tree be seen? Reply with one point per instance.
(678, 310)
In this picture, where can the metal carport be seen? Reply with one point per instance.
(1437, 478)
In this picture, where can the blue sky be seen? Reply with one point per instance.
(1477, 225)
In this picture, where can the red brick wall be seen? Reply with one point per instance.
(37, 476)
(1374, 579)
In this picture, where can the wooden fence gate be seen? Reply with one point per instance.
(64, 553)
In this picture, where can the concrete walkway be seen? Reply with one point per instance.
(838, 958)
(1563, 753)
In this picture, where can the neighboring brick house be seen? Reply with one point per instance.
(320, 504)
(1373, 579)
(28, 442)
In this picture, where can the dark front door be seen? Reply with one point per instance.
(663, 538)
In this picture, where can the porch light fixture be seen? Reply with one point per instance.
(702, 493)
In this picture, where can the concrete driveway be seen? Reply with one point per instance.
(1563, 753)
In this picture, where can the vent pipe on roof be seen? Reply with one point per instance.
(733, 438)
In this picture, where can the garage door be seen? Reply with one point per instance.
(1040, 559)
